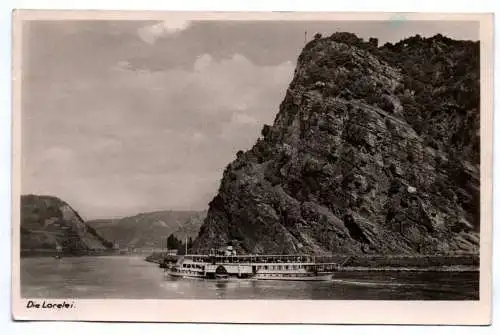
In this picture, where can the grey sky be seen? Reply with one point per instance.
(133, 116)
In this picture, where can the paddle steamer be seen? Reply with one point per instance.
(260, 267)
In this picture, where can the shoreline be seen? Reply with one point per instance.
(396, 263)
(48, 254)
(402, 267)
(410, 269)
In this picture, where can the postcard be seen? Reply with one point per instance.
(251, 167)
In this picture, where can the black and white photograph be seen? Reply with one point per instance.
(233, 158)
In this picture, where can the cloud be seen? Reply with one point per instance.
(202, 62)
(141, 140)
(150, 34)
(243, 118)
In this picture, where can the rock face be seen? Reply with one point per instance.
(145, 230)
(48, 222)
(374, 150)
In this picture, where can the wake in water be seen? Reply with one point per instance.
(374, 283)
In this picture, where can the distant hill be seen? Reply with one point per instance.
(191, 227)
(145, 230)
(48, 222)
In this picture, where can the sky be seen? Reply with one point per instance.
(122, 117)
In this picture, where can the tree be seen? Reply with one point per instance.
(266, 130)
(373, 42)
(173, 242)
(348, 38)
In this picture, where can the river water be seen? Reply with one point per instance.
(130, 277)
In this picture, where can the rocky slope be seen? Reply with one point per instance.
(374, 150)
(145, 230)
(48, 222)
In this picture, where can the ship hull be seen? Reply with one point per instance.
(280, 277)
(185, 275)
(322, 277)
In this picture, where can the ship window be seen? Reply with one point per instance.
(286, 267)
(265, 267)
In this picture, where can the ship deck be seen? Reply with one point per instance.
(258, 259)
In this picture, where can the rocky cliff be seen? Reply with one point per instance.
(373, 150)
(48, 222)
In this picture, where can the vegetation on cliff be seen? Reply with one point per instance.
(374, 150)
(48, 223)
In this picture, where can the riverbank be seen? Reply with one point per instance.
(412, 261)
(52, 253)
(430, 263)
(155, 258)
(410, 269)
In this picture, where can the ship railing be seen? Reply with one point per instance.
(267, 259)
